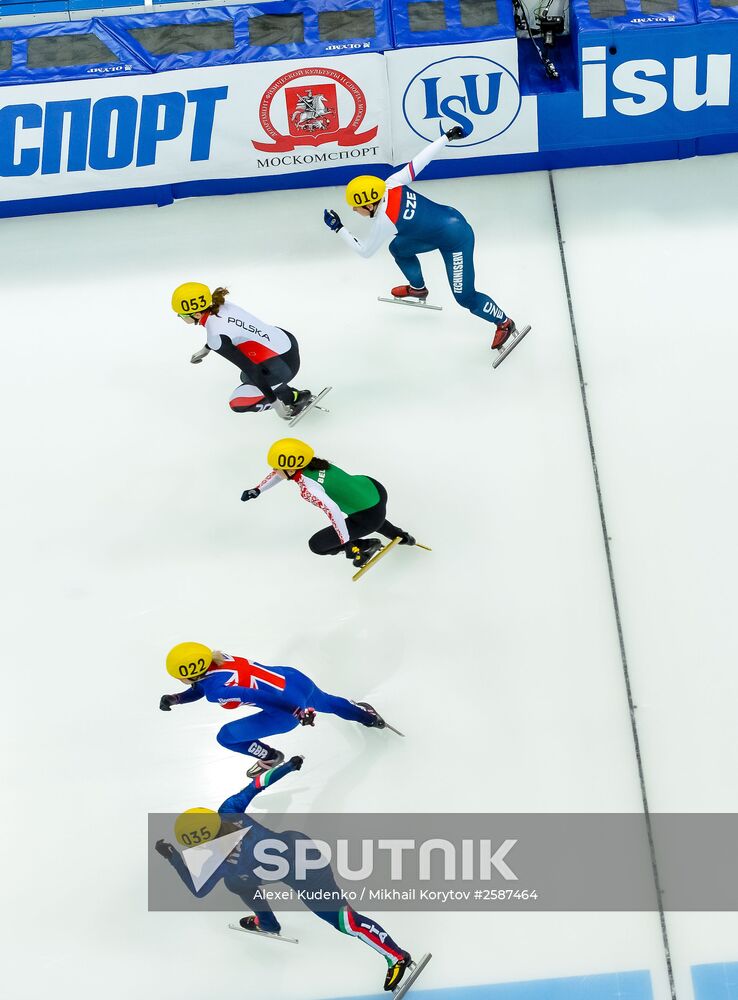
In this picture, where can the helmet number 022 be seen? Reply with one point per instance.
(191, 669)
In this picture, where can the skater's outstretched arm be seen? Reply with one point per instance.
(273, 479)
(408, 173)
(194, 692)
(175, 859)
(381, 232)
(239, 802)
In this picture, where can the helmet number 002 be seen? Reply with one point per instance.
(365, 197)
(196, 836)
(191, 669)
(291, 461)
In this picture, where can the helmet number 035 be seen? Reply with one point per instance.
(196, 836)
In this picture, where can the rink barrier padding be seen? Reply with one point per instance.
(149, 108)
(612, 986)
(618, 15)
(716, 10)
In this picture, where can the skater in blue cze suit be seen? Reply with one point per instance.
(413, 224)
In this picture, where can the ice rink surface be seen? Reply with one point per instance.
(497, 654)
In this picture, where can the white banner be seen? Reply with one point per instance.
(476, 86)
(248, 120)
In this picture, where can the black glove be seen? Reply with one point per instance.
(167, 700)
(332, 220)
(250, 494)
(456, 132)
(297, 762)
(166, 850)
(305, 716)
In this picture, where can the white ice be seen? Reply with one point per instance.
(497, 654)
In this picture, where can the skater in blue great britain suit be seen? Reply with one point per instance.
(413, 224)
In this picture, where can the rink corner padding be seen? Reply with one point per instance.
(150, 108)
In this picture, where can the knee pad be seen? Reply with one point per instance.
(247, 399)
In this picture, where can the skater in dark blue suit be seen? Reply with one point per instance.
(413, 224)
(238, 871)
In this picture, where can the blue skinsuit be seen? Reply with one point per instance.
(414, 225)
(277, 706)
(239, 876)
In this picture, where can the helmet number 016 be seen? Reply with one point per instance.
(366, 197)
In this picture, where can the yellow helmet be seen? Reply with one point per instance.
(188, 660)
(192, 297)
(290, 454)
(365, 190)
(197, 826)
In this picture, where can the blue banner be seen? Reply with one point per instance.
(616, 15)
(194, 38)
(417, 22)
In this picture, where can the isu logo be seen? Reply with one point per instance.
(472, 91)
(307, 107)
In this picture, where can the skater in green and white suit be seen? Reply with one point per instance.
(356, 506)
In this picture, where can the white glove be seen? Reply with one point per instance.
(199, 355)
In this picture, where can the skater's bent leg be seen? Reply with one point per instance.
(325, 543)
(390, 530)
(248, 399)
(381, 524)
(284, 393)
(320, 885)
(244, 735)
(247, 890)
(367, 930)
(460, 270)
(332, 704)
(410, 267)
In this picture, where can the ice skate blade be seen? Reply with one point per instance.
(264, 934)
(312, 405)
(375, 559)
(393, 730)
(510, 346)
(411, 977)
(408, 302)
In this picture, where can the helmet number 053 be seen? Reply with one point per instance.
(192, 305)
